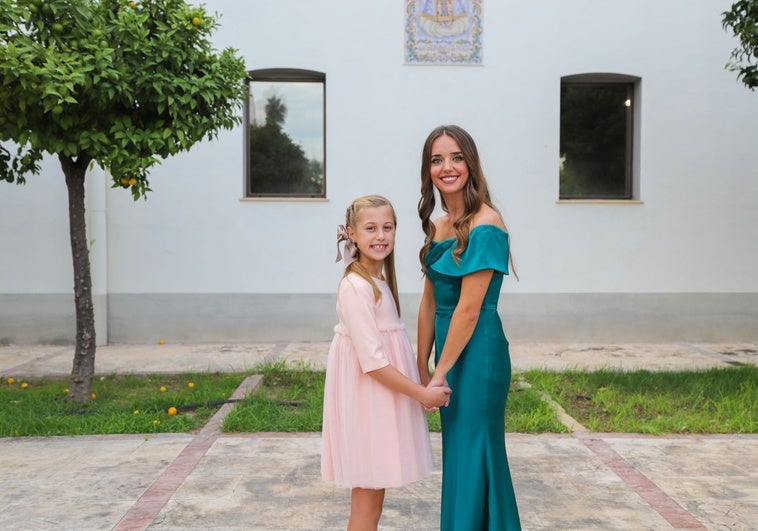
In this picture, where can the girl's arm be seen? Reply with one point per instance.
(390, 377)
(425, 331)
(357, 309)
(462, 323)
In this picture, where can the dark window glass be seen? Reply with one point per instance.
(285, 140)
(596, 140)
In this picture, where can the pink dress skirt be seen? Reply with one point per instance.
(373, 437)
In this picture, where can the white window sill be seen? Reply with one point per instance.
(284, 198)
(599, 202)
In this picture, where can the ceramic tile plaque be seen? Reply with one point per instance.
(443, 32)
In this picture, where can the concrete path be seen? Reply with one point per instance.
(209, 480)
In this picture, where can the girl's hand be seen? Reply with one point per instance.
(434, 397)
(439, 380)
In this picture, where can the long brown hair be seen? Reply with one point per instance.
(475, 191)
(351, 219)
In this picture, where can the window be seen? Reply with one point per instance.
(285, 137)
(596, 136)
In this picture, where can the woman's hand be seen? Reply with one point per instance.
(437, 380)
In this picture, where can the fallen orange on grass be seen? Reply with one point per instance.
(172, 411)
(11, 381)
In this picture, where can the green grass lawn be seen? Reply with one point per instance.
(290, 400)
(122, 404)
(709, 401)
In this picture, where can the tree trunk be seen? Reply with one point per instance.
(80, 387)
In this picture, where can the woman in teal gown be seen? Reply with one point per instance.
(465, 256)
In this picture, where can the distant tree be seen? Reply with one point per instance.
(123, 84)
(742, 19)
(276, 111)
(278, 164)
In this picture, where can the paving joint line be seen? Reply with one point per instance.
(644, 487)
(159, 493)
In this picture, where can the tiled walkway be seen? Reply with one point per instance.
(209, 480)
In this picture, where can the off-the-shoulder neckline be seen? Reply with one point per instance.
(472, 230)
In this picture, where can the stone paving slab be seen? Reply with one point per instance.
(271, 482)
(85, 482)
(714, 477)
(652, 356)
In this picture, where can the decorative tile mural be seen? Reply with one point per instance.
(443, 32)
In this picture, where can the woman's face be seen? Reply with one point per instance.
(448, 168)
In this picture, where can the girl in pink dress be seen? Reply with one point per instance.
(374, 432)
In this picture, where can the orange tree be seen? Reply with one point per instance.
(742, 19)
(117, 83)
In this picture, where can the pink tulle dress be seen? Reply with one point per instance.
(372, 437)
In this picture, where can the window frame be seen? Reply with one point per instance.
(631, 170)
(280, 75)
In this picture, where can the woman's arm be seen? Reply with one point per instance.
(425, 330)
(463, 322)
(390, 377)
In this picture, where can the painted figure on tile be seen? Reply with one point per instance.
(444, 18)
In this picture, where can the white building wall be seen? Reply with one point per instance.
(196, 261)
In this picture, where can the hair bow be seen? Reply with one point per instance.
(351, 250)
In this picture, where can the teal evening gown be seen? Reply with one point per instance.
(477, 491)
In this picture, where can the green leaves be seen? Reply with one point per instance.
(126, 82)
(742, 19)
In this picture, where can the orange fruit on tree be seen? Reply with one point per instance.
(196, 21)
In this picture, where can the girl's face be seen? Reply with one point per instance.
(448, 169)
(374, 234)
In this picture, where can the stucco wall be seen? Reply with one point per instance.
(688, 242)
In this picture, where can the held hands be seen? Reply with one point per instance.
(438, 383)
(434, 397)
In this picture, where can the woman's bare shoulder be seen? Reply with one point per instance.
(487, 216)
